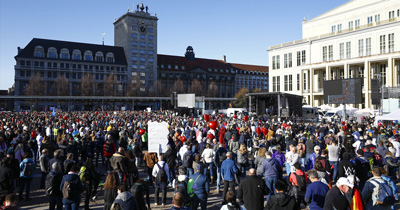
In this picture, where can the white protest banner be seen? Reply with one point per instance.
(158, 137)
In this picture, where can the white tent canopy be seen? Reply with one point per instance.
(325, 107)
(365, 112)
(395, 115)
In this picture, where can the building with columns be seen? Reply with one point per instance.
(360, 38)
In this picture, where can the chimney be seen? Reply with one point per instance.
(224, 58)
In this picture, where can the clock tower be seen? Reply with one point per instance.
(136, 32)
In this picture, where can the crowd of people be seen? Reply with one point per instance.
(261, 162)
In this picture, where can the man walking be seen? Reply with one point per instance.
(252, 190)
(202, 188)
(228, 170)
(272, 171)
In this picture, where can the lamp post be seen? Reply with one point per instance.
(381, 88)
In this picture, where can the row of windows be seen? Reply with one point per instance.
(301, 60)
(76, 54)
(370, 19)
(143, 59)
(150, 52)
(74, 75)
(142, 44)
(288, 83)
(142, 36)
(135, 28)
(67, 65)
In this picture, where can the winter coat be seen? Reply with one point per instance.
(333, 196)
(271, 168)
(282, 201)
(251, 191)
(75, 180)
(368, 194)
(170, 157)
(109, 197)
(59, 161)
(202, 184)
(112, 151)
(228, 169)
(242, 159)
(280, 157)
(258, 162)
(118, 162)
(127, 201)
(57, 178)
(22, 166)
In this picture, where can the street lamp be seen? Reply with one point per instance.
(381, 88)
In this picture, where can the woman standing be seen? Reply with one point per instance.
(110, 189)
(208, 157)
(243, 159)
(259, 160)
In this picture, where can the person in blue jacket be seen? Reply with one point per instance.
(27, 168)
(228, 170)
(201, 190)
(75, 199)
(272, 171)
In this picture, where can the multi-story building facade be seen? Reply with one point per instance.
(356, 39)
(229, 78)
(136, 32)
(52, 59)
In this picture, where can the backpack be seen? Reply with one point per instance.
(162, 174)
(301, 182)
(181, 187)
(52, 184)
(384, 194)
(221, 156)
(83, 174)
(68, 189)
(323, 162)
(371, 163)
(29, 167)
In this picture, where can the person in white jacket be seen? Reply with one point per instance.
(208, 157)
(292, 157)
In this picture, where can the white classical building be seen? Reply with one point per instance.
(360, 38)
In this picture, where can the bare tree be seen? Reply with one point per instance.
(99, 90)
(196, 88)
(157, 89)
(35, 86)
(256, 90)
(178, 87)
(133, 88)
(86, 85)
(60, 86)
(212, 89)
(110, 85)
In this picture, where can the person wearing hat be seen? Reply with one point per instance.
(202, 188)
(337, 193)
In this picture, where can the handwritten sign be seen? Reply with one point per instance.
(158, 137)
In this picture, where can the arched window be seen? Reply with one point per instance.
(110, 57)
(99, 56)
(76, 55)
(39, 51)
(88, 55)
(52, 52)
(64, 53)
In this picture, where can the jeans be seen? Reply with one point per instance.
(243, 170)
(68, 205)
(287, 169)
(150, 176)
(307, 157)
(43, 180)
(55, 200)
(121, 176)
(270, 182)
(211, 169)
(218, 177)
(334, 169)
(302, 163)
(199, 200)
(231, 185)
(25, 182)
(164, 194)
(138, 161)
(171, 175)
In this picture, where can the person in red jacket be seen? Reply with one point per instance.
(109, 149)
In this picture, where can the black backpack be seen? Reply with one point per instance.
(28, 170)
(52, 184)
(181, 187)
(162, 174)
(221, 156)
(301, 182)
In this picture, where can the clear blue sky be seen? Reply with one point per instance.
(241, 30)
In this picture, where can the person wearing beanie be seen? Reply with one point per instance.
(346, 167)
